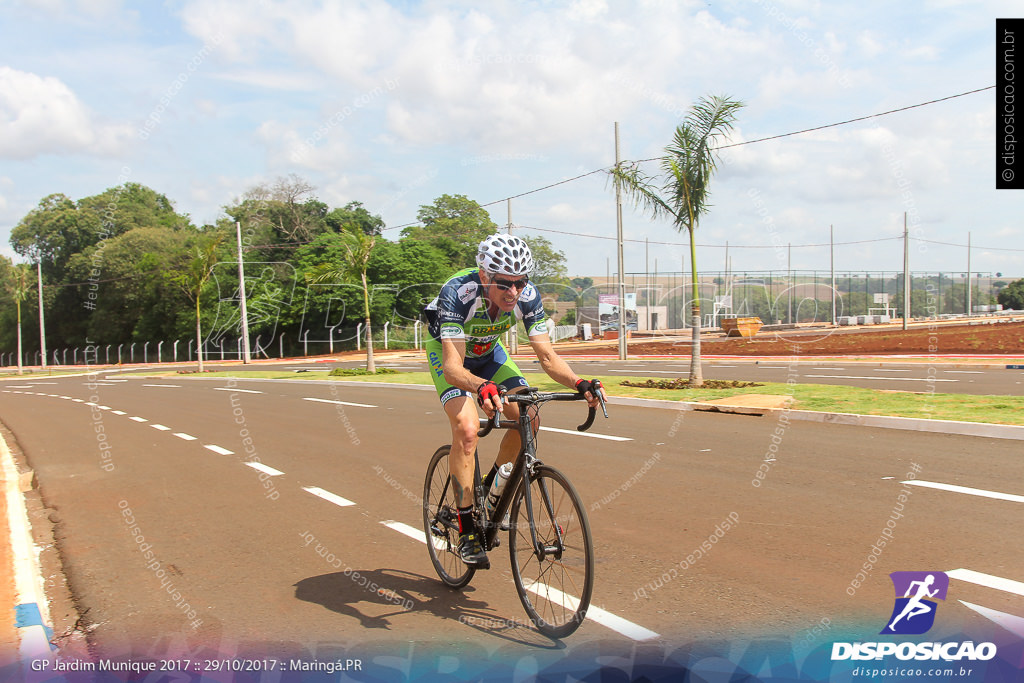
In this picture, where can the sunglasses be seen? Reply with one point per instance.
(505, 285)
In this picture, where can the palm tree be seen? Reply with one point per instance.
(20, 286)
(358, 247)
(194, 275)
(688, 165)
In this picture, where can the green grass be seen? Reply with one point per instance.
(817, 397)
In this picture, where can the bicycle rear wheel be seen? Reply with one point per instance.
(441, 522)
(555, 578)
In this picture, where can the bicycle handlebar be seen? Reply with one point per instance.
(531, 396)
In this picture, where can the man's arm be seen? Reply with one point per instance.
(556, 368)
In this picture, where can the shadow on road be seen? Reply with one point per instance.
(388, 594)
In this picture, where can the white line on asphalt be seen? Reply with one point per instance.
(241, 391)
(218, 450)
(328, 496)
(340, 403)
(264, 468)
(20, 386)
(987, 580)
(964, 372)
(162, 428)
(171, 386)
(78, 400)
(966, 489)
(773, 367)
(892, 370)
(138, 419)
(888, 379)
(828, 368)
(186, 437)
(1010, 622)
(117, 412)
(649, 372)
(592, 436)
(413, 533)
(603, 617)
(103, 407)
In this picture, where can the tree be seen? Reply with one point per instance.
(193, 275)
(548, 263)
(358, 248)
(455, 225)
(19, 285)
(1012, 296)
(354, 213)
(689, 163)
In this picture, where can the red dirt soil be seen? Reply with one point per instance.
(940, 339)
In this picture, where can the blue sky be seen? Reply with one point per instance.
(394, 104)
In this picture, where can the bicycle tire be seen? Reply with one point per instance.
(439, 513)
(555, 590)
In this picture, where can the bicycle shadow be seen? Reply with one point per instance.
(366, 595)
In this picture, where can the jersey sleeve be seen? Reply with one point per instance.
(531, 309)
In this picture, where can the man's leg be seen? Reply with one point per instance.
(462, 416)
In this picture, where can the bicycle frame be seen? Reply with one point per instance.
(523, 466)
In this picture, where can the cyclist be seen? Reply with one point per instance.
(466, 320)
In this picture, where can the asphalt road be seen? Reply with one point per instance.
(174, 544)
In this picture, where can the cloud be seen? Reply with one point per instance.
(41, 115)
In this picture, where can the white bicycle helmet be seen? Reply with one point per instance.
(504, 255)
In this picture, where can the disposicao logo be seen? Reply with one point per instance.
(913, 613)
(916, 595)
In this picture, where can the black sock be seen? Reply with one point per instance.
(466, 524)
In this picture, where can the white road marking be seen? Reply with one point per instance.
(964, 372)
(603, 617)
(592, 436)
(328, 496)
(773, 367)
(138, 419)
(1010, 622)
(891, 370)
(170, 386)
(21, 386)
(218, 450)
(118, 412)
(987, 580)
(241, 391)
(264, 468)
(340, 403)
(889, 379)
(649, 372)
(162, 428)
(1012, 497)
(186, 437)
(413, 533)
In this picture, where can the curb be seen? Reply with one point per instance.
(32, 613)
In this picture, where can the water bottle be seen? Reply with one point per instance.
(497, 486)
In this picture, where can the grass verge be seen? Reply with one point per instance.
(818, 397)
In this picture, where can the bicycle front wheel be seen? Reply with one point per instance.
(554, 576)
(441, 522)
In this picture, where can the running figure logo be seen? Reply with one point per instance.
(914, 612)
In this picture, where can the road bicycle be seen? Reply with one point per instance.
(550, 547)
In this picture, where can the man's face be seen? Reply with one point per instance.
(504, 290)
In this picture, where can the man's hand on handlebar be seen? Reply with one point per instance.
(489, 397)
(590, 390)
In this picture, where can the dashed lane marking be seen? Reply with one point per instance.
(264, 468)
(413, 533)
(217, 449)
(987, 580)
(164, 386)
(1011, 622)
(340, 403)
(162, 428)
(603, 617)
(607, 437)
(136, 418)
(240, 391)
(1012, 497)
(118, 412)
(328, 496)
(184, 436)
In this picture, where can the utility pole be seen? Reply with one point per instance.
(906, 272)
(42, 324)
(241, 293)
(832, 269)
(622, 270)
(968, 274)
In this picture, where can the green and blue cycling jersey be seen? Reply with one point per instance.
(460, 312)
